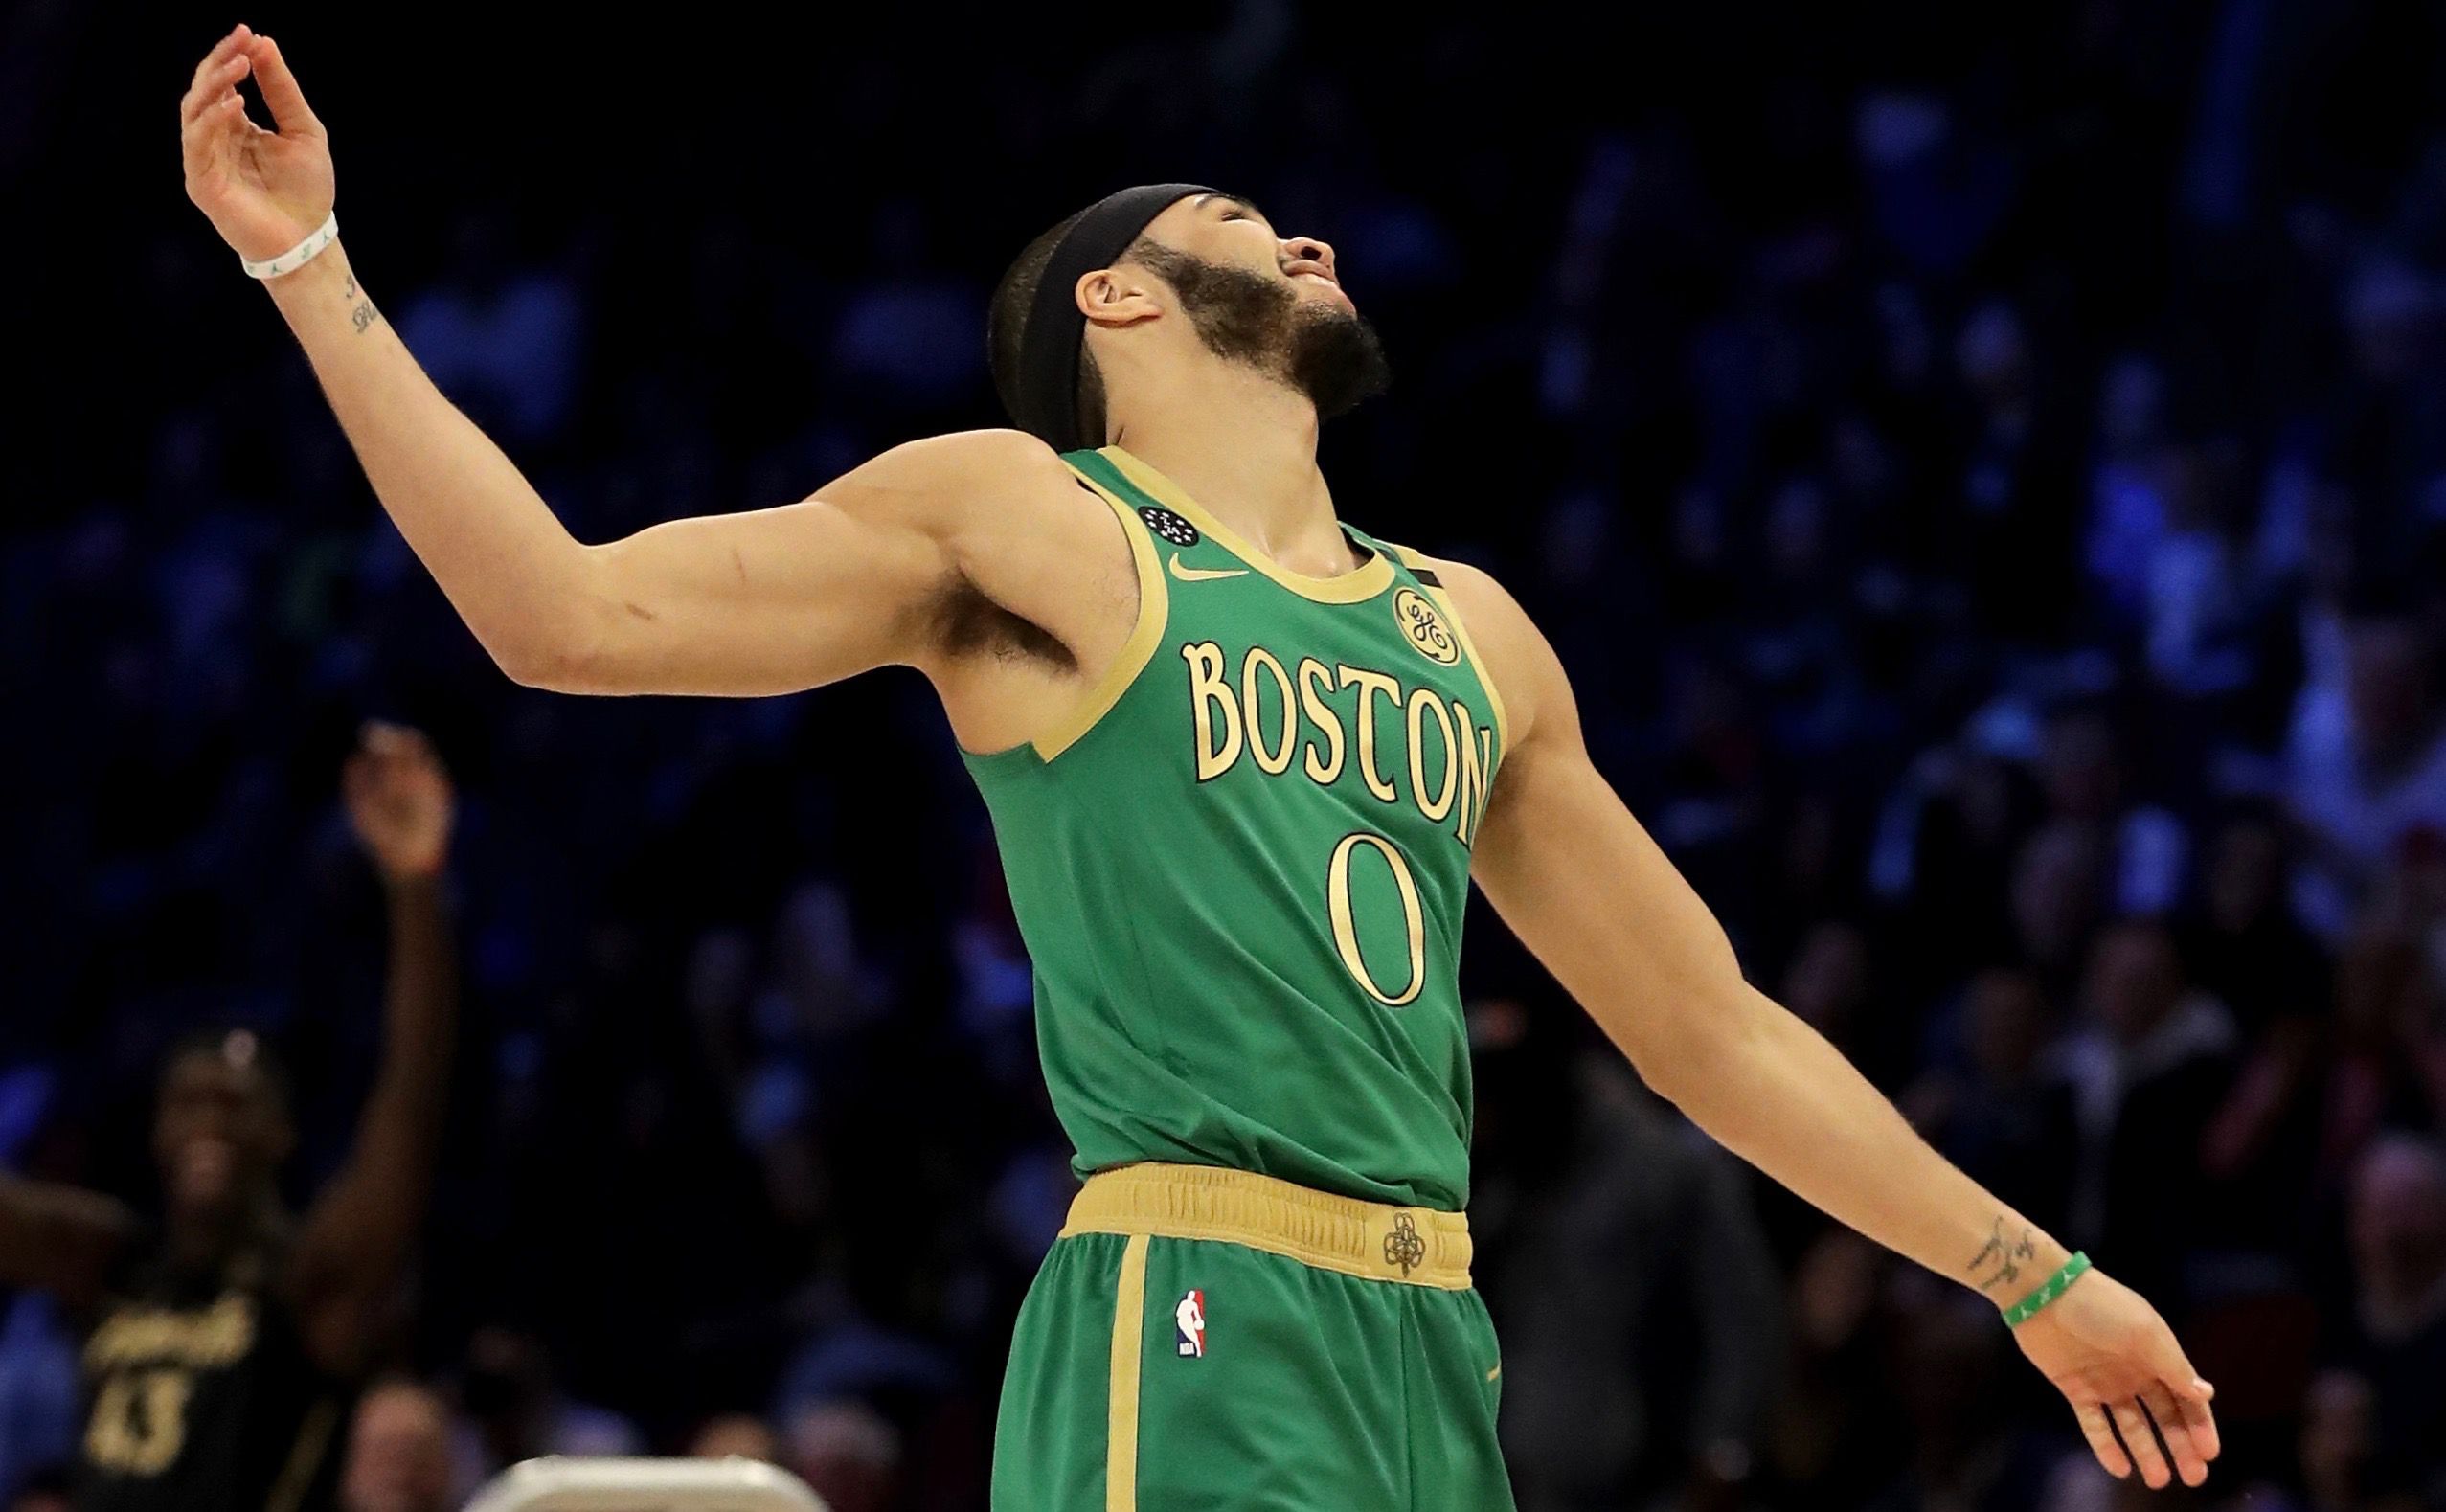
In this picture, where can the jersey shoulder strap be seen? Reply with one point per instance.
(1146, 631)
(1179, 541)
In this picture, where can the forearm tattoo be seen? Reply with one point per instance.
(2004, 1254)
(362, 316)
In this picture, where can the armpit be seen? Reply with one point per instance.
(963, 621)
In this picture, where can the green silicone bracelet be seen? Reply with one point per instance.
(2048, 1291)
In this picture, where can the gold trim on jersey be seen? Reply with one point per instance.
(1469, 648)
(306, 1457)
(1121, 1409)
(1154, 606)
(1355, 586)
(1374, 1241)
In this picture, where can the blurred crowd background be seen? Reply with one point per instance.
(1985, 468)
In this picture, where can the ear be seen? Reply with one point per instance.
(1117, 296)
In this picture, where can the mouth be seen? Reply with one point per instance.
(1335, 294)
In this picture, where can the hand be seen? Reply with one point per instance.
(2112, 1356)
(264, 192)
(400, 801)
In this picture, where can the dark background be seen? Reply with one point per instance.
(1983, 467)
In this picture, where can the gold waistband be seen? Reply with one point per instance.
(1374, 1240)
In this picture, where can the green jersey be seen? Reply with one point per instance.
(1240, 865)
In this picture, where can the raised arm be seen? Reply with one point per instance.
(352, 1247)
(765, 600)
(1591, 894)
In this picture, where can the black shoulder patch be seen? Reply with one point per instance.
(1427, 576)
(1167, 525)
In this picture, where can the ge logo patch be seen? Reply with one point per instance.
(1167, 525)
(1424, 628)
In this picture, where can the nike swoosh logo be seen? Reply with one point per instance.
(1199, 575)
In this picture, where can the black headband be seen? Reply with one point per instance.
(1047, 398)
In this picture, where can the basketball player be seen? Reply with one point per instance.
(227, 1342)
(1242, 760)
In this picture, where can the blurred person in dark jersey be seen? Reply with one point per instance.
(228, 1336)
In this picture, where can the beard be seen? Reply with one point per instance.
(1332, 355)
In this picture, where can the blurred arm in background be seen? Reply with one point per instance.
(1590, 893)
(356, 1238)
(60, 1239)
(354, 1242)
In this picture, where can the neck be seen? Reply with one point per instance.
(1245, 447)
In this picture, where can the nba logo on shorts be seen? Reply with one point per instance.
(1189, 1325)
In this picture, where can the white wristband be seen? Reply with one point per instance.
(299, 255)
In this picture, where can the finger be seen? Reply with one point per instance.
(2175, 1368)
(237, 38)
(196, 145)
(403, 739)
(207, 91)
(2142, 1444)
(366, 776)
(2101, 1436)
(2189, 1393)
(2200, 1422)
(2178, 1373)
(213, 82)
(281, 92)
(406, 759)
(206, 143)
(2190, 1462)
(407, 747)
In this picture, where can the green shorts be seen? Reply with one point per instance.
(1212, 1340)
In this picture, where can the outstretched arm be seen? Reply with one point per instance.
(762, 600)
(60, 1239)
(354, 1246)
(1591, 894)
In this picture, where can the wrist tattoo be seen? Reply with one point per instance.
(2006, 1254)
(362, 316)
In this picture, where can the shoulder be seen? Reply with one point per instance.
(946, 485)
(1486, 603)
(989, 503)
(993, 450)
(1527, 676)
(960, 471)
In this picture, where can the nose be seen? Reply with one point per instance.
(1309, 249)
